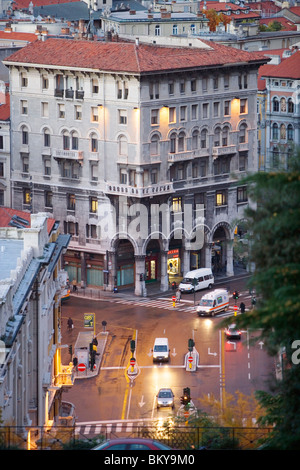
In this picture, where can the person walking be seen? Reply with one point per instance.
(178, 295)
(242, 307)
(70, 324)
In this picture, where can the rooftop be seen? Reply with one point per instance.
(128, 57)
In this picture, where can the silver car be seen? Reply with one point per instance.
(165, 397)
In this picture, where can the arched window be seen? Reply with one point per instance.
(195, 139)
(181, 141)
(225, 136)
(290, 132)
(66, 140)
(94, 142)
(283, 105)
(275, 133)
(173, 142)
(243, 133)
(46, 138)
(275, 104)
(25, 135)
(75, 140)
(175, 29)
(290, 106)
(217, 137)
(282, 132)
(203, 138)
(122, 145)
(157, 30)
(154, 144)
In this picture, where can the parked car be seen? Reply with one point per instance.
(165, 397)
(232, 331)
(131, 444)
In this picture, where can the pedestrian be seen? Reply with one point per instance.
(70, 324)
(253, 302)
(242, 307)
(74, 285)
(178, 295)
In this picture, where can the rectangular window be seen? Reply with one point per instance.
(154, 116)
(241, 195)
(94, 114)
(221, 198)
(226, 108)
(93, 205)
(123, 176)
(26, 196)
(226, 81)
(24, 107)
(95, 86)
(177, 204)
(1, 170)
(94, 172)
(122, 116)
(171, 88)
(183, 116)
(61, 111)
(154, 90)
(71, 200)
(24, 80)
(45, 110)
(216, 109)
(45, 82)
(78, 113)
(204, 85)
(243, 106)
(205, 111)
(172, 115)
(216, 83)
(193, 85)
(182, 87)
(47, 167)
(194, 111)
(48, 198)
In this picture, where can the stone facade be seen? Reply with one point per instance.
(89, 144)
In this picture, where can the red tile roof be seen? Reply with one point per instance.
(287, 25)
(13, 36)
(5, 108)
(127, 56)
(6, 214)
(24, 4)
(288, 68)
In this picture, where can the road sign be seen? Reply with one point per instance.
(81, 367)
(132, 361)
(190, 359)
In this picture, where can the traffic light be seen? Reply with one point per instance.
(235, 295)
(186, 397)
(191, 344)
(132, 345)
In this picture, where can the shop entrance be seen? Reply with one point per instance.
(152, 261)
(125, 263)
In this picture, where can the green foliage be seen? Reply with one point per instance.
(275, 250)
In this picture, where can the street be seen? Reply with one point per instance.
(112, 396)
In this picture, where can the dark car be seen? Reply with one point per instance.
(131, 444)
(233, 332)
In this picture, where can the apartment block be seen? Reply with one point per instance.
(137, 150)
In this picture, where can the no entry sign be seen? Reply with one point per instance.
(81, 367)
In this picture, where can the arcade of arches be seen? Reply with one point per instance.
(126, 265)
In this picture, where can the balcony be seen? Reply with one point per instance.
(225, 150)
(127, 190)
(180, 156)
(74, 155)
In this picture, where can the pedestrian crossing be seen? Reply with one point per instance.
(167, 304)
(107, 427)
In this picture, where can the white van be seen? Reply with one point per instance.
(197, 279)
(161, 351)
(214, 302)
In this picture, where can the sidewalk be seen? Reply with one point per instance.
(87, 373)
(153, 289)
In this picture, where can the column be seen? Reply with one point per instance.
(83, 269)
(164, 278)
(140, 287)
(229, 258)
(112, 271)
(207, 255)
(186, 262)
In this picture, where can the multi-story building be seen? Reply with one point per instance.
(31, 286)
(133, 147)
(280, 128)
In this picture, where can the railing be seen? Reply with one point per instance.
(179, 437)
(127, 190)
(68, 154)
(226, 150)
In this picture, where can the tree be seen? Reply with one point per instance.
(275, 250)
(213, 19)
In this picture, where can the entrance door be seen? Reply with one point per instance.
(151, 269)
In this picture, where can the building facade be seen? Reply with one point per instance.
(31, 374)
(137, 149)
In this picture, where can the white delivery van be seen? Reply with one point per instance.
(214, 302)
(197, 279)
(161, 351)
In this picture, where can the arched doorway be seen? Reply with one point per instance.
(152, 261)
(222, 247)
(125, 263)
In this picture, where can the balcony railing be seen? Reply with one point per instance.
(76, 155)
(225, 150)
